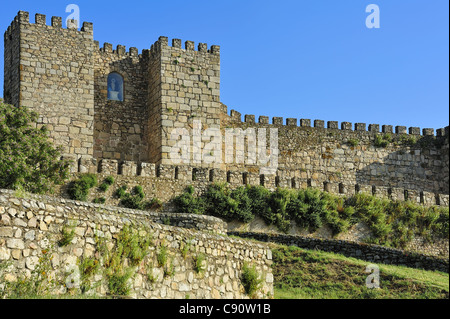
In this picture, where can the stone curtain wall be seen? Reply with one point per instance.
(33, 224)
(56, 78)
(371, 253)
(167, 181)
(327, 158)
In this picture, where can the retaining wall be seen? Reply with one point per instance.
(31, 226)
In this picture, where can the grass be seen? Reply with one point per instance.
(304, 274)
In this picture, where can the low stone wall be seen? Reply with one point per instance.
(372, 253)
(31, 227)
(358, 233)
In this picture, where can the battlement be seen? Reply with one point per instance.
(334, 125)
(120, 50)
(23, 17)
(201, 177)
(188, 46)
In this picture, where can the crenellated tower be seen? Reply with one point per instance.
(51, 70)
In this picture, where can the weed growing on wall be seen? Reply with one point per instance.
(251, 280)
(120, 262)
(136, 199)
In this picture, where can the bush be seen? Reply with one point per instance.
(106, 183)
(109, 180)
(100, 200)
(121, 191)
(29, 161)
(135, 199)
(278, 202)
(308, 209)
(259, 199)
(219, 202)
(79, 189)
(244, 211)
(154, 204)
(187, 203)
(383, 141)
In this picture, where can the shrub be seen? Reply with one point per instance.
(109, 180)
(200, 263)
(308, 208)
(383, 140)
(259, 199)
(219, 202)
(106, 183)
(100, 200)
(79, 189)
(121, 191)
(29, 161)
(353, 142)
(162, 256)
(244, 206)
(154, 204)
(68, 234)
(133, 200)
(278, 202)
(188, 203)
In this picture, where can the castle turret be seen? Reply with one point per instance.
(184, 87)
(50, 70)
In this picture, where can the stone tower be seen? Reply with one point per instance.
(62, 74)
(51, 70)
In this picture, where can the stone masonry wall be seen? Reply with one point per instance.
(344, 159)
(120, 129)
(189, 92)
(56, 78)
(372, 253)
(31, 225)
(167, 181)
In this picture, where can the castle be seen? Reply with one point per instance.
(125, 112)
(155, 119)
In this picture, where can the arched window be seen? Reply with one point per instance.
(115, 87)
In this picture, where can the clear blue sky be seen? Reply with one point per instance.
(313, 59)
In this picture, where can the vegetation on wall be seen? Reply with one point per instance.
(28, 160)
(79, 189)
(392, 223)
(136, 199)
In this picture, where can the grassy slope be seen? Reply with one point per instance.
(303, 274)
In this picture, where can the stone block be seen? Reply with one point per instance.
(291, 122)
(305, 122)
(400, 130)
(387, 129)
(319, 124)
(332, 125)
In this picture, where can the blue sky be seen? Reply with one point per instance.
(312, 59)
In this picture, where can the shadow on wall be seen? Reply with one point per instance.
(419, 170)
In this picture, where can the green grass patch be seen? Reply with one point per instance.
(305, 274)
